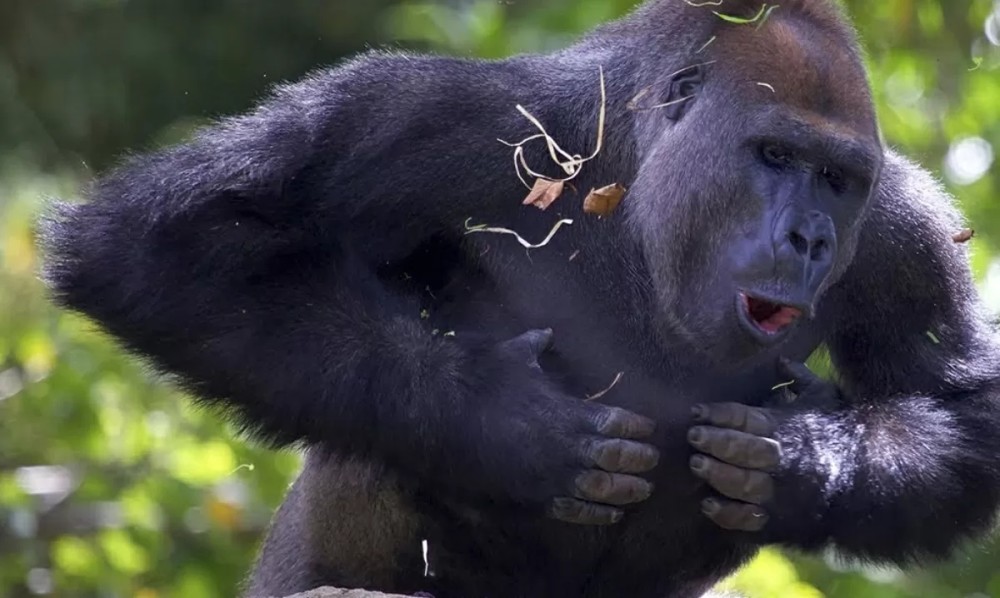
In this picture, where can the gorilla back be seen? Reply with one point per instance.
(593, 416)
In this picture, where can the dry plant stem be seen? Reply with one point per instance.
(482, 228)
(570, 163)
(596, 396)
(634, 102)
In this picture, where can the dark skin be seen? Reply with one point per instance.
(305, 266)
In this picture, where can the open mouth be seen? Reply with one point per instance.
(767, 319)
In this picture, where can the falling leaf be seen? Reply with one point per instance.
(933, 337)
(767, 85)
(596, 396)
(964, 235)
(706, 44)
(573, 256)
(544, 193)
(783, 385)
(424, 314)
(605, 200)
(450, 333)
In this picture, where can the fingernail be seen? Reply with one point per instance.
(696, 435)
(698, 411)
(709, 506)
(699, 463)
(647, 491)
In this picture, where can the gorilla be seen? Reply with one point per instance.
(611, 406)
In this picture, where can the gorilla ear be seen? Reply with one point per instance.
(684, 85)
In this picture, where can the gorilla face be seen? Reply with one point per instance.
(772, 167)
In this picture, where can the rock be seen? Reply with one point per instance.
(342, 593)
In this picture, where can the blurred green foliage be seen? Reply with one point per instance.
(113, 485)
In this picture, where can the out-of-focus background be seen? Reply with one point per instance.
(113, 485)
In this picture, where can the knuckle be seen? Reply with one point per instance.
(731, 445)
(611, 455)
(576, 511)
(617, 422)
(606, 421)
(593, 484)
(627, 456)
(758, 487)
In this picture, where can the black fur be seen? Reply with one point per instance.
(308, 267)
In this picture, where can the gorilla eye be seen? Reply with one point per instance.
(834, 177)
(776, 156)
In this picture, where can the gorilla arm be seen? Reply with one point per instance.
(246, 262)
(905, 466)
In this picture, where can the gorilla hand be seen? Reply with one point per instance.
(739, 454)
(541, 448)
(741, 451)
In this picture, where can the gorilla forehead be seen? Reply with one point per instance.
(804, 62)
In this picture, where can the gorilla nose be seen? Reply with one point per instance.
(810, 236)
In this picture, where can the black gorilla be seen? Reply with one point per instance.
(316, 267)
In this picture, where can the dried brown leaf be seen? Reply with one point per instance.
(605, 200)
(964, 235)
(544, 193)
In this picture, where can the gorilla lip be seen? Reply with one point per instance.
(766, 319)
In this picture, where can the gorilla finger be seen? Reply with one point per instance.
(746, 485)
(529, 345)
(623, 456)
(611, 488)
(736, 448)
(619, 423)
(735, 516)
(572, 510)
(736, 416)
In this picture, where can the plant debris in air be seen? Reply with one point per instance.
(964, 235)
(596, 396)
(482, 228)
(759, 18)
(605, 200)
(783, 385)
(706, 3)
(571, 164)
(544, 193)
(633, 104)
(767, 85)
(933, 337)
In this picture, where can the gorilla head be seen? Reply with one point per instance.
(772, 166)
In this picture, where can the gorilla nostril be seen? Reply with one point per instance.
(799, 243)
(818, 251)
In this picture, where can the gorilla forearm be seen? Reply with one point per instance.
(890, 480)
